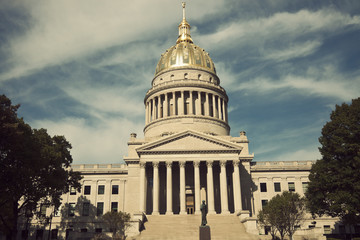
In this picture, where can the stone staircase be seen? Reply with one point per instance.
(186, 227)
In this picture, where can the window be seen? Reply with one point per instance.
(87, 190)
(98, 230)
(57, 212)
(101, 189)
(327, 229)
(86, 208)
(39, 234)
(71, 209)
(277, 187)
(357, 228)
(24, 234)
(68, 231)
(115, 189)
(114, 206)
(341, 229)
(263, 187)
(291, 186)
(305, 186)
(83, 230)
(267, 229)
(54, 234)
(43, 210)
(100, 209)
(264, 203)
(72, 191)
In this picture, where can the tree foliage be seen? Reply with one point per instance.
(118, 222)
(283, 213)
(34, 168)
(334, 187)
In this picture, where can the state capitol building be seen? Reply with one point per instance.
(186, 156)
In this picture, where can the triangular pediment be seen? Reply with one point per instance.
(189, 142)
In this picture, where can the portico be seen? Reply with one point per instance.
(174, 187)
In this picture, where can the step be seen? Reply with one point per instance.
(186, 227)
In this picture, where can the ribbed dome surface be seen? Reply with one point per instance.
(185, 54)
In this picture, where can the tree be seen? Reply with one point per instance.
(34, 168)
(283, 213)
(118, 222)
(334, 187)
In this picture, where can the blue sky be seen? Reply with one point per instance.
(82, 68)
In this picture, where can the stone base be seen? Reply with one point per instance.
(204, 233)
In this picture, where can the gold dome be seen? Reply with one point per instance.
(185, 54)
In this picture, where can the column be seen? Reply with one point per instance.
(198, 108)
(214, 105)
(146, 112)
(181, 108)
(223, 189)
(142, 187)
(174, 105)
(159, 107)
(210, 188)
(169, 210)
(182, 188)
(156, 189)
(166, 106)
(197, 186)
(237, 187)
(191, 105)
(153, 109)
(225, 112)
(207, 104)
(219, 108)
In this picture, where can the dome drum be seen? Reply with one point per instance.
(171, 125)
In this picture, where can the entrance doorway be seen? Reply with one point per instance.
(190, 204)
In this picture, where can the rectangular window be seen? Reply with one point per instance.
(39, 234)
(24, 234)
(291, 186)
(71, 209)
(115, 189)
(100, 209)
(327, 229)
(264, 203)
(54, 234)
(87, 190)
(57, 212)
(98, 230)
(72, 191)
(86, 208)
(342, 229)
(83, 230)
(357, 228)
(263, 187)
(43, 210)
(114, 206)
(305, 186)
(277, 187)
(101, 189)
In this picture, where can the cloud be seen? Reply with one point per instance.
(102, 143)
(60, 31)
(322, 81)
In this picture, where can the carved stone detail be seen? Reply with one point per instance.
(196, 164)
(223, 163)
(209, 163)
(168, 164)
(142, 164)
(155, 164)
(182, 164)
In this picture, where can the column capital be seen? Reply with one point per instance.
(236, 163)
(223, 163)
(155, 164)
(209, 163)
(142, 164)
(196, 163)
(169, 164)
(182, 164)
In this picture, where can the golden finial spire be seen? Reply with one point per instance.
(184, 29)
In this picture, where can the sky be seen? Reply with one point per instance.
(81, 68)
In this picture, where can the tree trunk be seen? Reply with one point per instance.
(13, 224)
